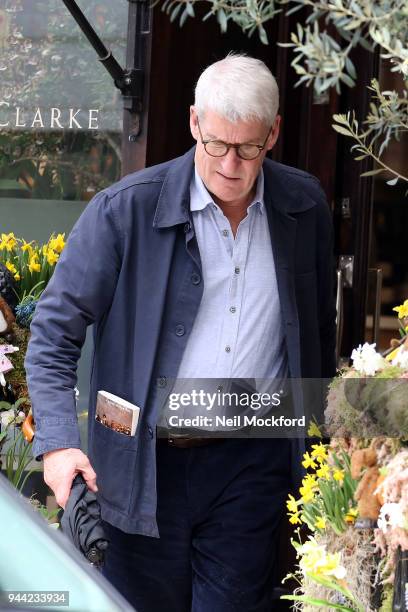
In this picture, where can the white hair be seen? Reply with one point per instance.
(238, 87)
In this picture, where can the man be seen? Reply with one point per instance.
(217, 264)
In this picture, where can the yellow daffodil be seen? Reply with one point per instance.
(314, 431)
(307, 494)
(294, 519)
(17, 277)
(58, 243)
(338, 475)
(26, 246)
(11, 267)
(402, 310)
(308, 462)
(351, 515)
(33, 265)
(310, 480)
(8, 241)
(308, 488)
(291, 504)
(323, 471)
(52, 257)
(320, 523)
(319, 452)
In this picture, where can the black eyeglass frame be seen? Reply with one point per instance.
(234, 146)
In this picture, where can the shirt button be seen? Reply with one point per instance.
(225, 232)
(227, 349)
(162, 382)
(237, 270)
(195, 278)
(179, 330)
(186, 228)
(233, 309)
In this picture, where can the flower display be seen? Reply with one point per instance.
(325, 489)
(354, 497)
(25, 269)
(30, 264)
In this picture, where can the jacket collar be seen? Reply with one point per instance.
(173, 206)
(282, 193)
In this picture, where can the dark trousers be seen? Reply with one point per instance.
(219, 507)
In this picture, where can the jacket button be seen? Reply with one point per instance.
(186, 228)
(162, 382)
(179, 330)
(150, 430)
(195, 278)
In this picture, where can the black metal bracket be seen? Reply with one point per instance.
(130, 82)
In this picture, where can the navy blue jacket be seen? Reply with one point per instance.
(131, 266)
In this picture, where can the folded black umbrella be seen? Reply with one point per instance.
(81, 522)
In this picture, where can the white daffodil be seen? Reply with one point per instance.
(315, 560)
(366, 360)
(401, 358)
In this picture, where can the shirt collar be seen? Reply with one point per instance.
(200, 197)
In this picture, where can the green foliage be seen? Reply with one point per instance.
(322, 46)
(18, 457)
(365, 140)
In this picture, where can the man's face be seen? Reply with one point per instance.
(230, 179)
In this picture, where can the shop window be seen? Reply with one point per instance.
(60, 114)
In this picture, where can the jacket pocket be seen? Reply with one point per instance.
(113, 457)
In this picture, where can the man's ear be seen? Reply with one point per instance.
(193, 123)
(273, 136)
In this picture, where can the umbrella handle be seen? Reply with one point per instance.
(95, 556)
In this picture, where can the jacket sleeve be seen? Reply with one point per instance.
(78, 294)
(326, 271)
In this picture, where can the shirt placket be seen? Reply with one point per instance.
(238, 251)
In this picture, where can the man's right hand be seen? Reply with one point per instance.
(60, 468)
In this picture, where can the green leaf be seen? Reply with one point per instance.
(222, 19)
(342, 130)
(175, 12)
(262, 35)
(341, 119)
(20, 401)
(372, 172)
(190, 9)
(347, 80)
(183, 17)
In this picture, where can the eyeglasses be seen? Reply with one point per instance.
(219, 148)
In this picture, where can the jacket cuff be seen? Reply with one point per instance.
(53, 433)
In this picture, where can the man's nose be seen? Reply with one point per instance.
(230, 161)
